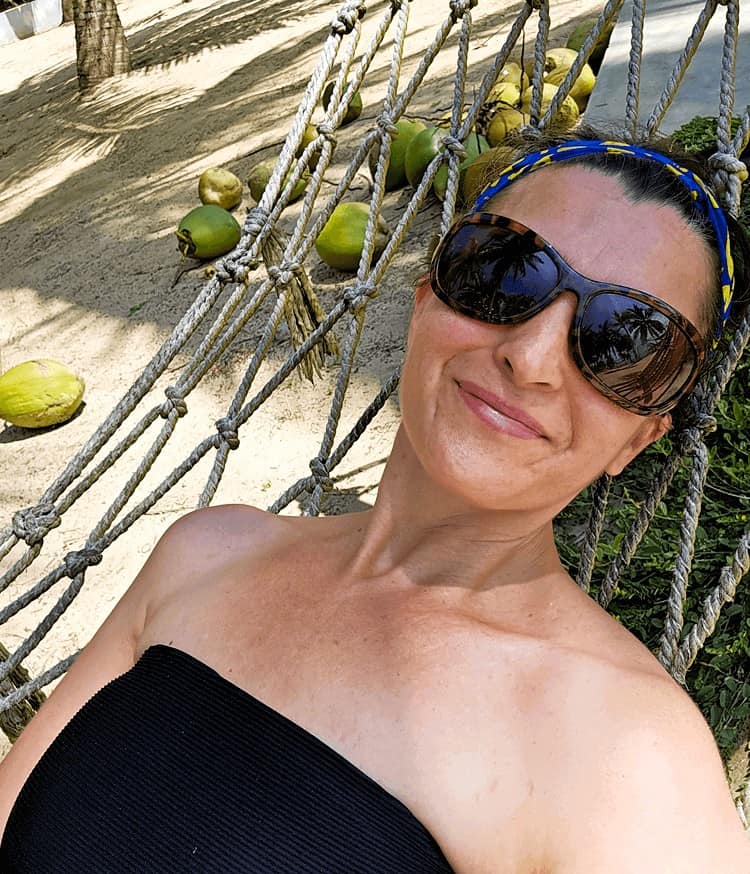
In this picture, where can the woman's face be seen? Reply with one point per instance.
(500, 414)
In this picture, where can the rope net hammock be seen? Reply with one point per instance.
(264, 283)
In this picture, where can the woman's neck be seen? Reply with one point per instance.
(428, 535)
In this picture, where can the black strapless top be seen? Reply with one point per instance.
(173, 768)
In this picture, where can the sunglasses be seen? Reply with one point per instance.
(635, 349)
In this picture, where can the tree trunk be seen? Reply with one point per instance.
(67, 7)
(101, 48)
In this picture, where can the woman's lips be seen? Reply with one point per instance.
(499, 415)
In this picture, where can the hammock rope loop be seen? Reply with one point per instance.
(680, 67)
(32, 524)
(79, 560)
(634, 65)
(357, 295)
(227, 432)
(691, 441)
(455, 146)
(540, 56)
(386, 123)
(346, 19)
(724, 593)
(459, 8)
(638, 529)
(321, 473)
(728, 183)
(600, 496)
(175, 402)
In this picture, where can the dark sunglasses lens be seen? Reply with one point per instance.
(494, 274)
(639, 353)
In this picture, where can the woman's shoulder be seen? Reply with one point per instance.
(211, 542)
(219, 535)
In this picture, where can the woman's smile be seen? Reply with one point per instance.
(497, 414)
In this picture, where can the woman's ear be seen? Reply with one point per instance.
(421, 288)
(421, 294)
(653, 429)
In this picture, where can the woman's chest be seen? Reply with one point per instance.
(458, 723)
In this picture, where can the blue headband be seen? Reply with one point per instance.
(704, 201)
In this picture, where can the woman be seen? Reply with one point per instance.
(421, 687)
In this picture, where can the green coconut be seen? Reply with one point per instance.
(475, 145)
(353, 110)
(420, 151)
(260, 176)
(342, 239)
(395, 176)
(207, 232)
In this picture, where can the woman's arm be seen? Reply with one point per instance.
(665, 806)
(111, 652)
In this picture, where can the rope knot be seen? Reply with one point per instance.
(325, 130)
(357, 295)
(32, 524)
(385, 123)
(344, 22)
(228, 432)
(696, 429)
(455, 145)
(226, 270)
(255, 221)
(459, 8)
(283, 273)
(321, 473)
(721, 161)
(175, 401)
(77, 561)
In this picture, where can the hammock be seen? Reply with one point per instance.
(264, 281)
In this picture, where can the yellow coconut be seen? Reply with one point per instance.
(512, 72)
(504, 92)
(310, 134)
(39, 393)
(219, 187)
(261, 174)
(554, 59)
(581, 88)
(506, 119)
(567, 114)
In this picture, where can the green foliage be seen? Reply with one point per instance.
(719, 680)
(699, 135)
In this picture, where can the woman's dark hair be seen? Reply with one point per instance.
(645, 180)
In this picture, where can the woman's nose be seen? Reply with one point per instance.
(537, 351)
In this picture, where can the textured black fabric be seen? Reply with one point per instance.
(173, 768)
